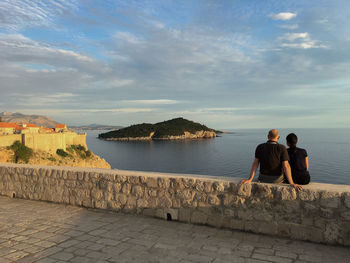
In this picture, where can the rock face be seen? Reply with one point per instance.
(45, 158)
(186, 135)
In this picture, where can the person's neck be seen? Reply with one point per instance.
(273, 140)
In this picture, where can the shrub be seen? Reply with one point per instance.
(52, 159)
(21, 152)
(88, 153)
(62, 153)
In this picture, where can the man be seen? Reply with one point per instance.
(273, 158)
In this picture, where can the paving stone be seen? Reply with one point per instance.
(271, 258)
(62, 256)
(79, 235)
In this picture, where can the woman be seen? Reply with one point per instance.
(298, 160)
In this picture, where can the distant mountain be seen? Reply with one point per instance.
(178, 128)
(22, 118)
(95, 127)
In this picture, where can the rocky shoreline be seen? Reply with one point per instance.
(185, 136)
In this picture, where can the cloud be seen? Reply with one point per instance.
(18, 14)
(283, 16)
(299, 40)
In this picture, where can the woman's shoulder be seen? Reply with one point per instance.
(302, 151)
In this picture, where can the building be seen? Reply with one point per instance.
(7, 128)
(61, 128)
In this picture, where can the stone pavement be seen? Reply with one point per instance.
(32, 231)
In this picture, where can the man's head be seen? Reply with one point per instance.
(273, 135)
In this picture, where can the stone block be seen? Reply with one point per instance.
(133, 180)
(332, 234)
(283, 229)
(215, 220)
(270, 228)
(120, 178)
(346, 215)
(308, 195)
(121, 198)
(164, 183)
(218, 186)
(141, 203)
(347, 200)
(263, 215)
(188, 182)
(286, 193)
(245, 214)
(208, 186)
(164, 202)
(199, 186)
(152, 182)
(137, 190)
(126, 188)
(185, 214)
(262, 191)
(326, 213)
(301, 232)
(330, 199)
(149, 212)
(199, 217)
(244, 190)
(213, 200)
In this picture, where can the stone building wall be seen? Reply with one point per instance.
(45, 142)
(7, 140)
(318, 213)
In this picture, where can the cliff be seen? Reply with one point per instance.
(175, 129)
(73, 159)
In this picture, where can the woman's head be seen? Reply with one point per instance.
(292, 140)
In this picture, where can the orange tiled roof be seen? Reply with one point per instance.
(60, 126)
(8, 125)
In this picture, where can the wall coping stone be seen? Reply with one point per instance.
(311, 186)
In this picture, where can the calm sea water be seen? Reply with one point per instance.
(229, 155)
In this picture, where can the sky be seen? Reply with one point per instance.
(227, 64)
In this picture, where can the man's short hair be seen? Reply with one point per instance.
(273, 133)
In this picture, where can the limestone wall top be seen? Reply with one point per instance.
(311, 186)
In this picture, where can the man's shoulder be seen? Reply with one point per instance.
(282, 146)
(260, 146)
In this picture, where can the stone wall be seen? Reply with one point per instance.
(318, 213)
(7, 140)
(45, 142)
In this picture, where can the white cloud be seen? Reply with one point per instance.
(283, 16)
(299, 40)
(294, 36)
(18, 14)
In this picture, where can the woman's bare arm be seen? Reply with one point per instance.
(307, 163)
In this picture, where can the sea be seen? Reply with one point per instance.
(229, 155)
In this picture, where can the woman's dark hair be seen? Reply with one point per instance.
(292, 140)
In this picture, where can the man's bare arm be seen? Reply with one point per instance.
(255, 166)
(288, 173)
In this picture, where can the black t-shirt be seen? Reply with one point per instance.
(271, 155)
(297, 160)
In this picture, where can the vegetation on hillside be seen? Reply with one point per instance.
(20, 152)
(174, 127)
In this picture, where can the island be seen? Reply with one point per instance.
(175, 129)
